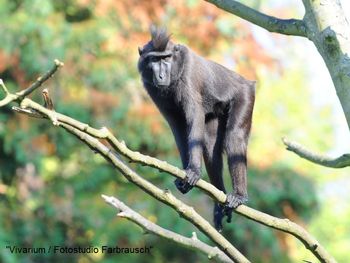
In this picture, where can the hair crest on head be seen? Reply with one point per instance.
(160, 37)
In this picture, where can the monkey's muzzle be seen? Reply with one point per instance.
(161, 73)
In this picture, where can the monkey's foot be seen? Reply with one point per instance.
(218, 216)
(232, 202)
(186, 184)
(182, 185)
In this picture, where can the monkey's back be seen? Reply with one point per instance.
(217, 83)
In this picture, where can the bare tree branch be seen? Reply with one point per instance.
(294, 27)
(164, 196)
(338, 162)
(8, 96)
(194, 242)
(41, 80)
(284, 225)
(18, 96)
(89, 136)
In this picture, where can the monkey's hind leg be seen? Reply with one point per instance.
(213, 150)
(236, 139)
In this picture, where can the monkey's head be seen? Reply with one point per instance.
(161, 61)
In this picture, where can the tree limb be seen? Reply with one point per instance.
(294, 27)
(284, 225)
(28, 107)
(194, 242)
(338, 162)
(164, 196)
(88, 135)
(18, 96)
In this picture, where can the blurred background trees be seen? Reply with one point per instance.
(50, 185)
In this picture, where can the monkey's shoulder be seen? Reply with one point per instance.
(211, 73)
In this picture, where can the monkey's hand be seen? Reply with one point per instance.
(186, 184)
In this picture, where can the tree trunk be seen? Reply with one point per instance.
(328, 28)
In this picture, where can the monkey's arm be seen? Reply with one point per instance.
(195, 119)
(195, 122)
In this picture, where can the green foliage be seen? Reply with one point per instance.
(53, 182)
(281, 188)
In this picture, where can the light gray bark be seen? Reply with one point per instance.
(329, 30)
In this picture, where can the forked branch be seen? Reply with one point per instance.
(193, 242)
(90, 137)
(164, 196)
(29, 107)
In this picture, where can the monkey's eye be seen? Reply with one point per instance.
(153, 59)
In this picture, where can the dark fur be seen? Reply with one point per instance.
(160, 38)
(209, 109)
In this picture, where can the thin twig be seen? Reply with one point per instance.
(9, 97)
(19, 96)
(41, 80)
(47, 99)
(2, 84)
(28, 112)
(194, 242)
(338, 162)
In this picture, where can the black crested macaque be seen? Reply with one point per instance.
(209, 109)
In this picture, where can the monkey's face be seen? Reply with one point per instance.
(159, 62)
(156, 67)
(161, 68)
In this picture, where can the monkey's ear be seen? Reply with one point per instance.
(177, 47)
(140, 50)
